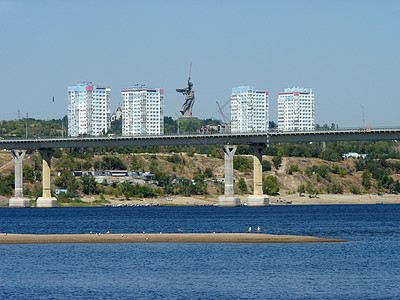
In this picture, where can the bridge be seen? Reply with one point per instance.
(228, 142)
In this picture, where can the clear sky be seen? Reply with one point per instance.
(347, 51)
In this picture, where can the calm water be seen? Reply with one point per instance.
(367, 267)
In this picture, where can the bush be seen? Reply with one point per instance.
(301, 189)
(354, 189)
(277, 160)
(175, 159)
(242, 185)
(270, 185)
(266, 166)
(334, 188)
(242, 164)
(208, 172)
(292, 169)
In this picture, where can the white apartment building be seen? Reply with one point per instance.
(142, 111)
(88, 109)
(249, 109)
(296, 109)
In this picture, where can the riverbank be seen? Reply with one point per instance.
(159, 238)
(293, 199)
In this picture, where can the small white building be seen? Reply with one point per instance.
(354, 155)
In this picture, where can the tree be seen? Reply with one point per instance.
(270, 185)
(28, 173)
(266, 166)
(89, 185)
(366, 179)
(112, 163)
(67, 181)
(242, 185)
(301, 189)
(277, 160)
(208, 172)
(242, 164)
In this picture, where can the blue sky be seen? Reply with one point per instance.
(347, 51)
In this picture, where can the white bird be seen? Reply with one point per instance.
(258, 229)
(122, 234)
(214, 232)
(99, 233)
(143, 232)
(147, 239)
(160, 232)
(108, 232)
(5, 234)
(90, 232)
(250, 229)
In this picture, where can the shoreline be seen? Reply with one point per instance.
(291, 199)
(235, 238)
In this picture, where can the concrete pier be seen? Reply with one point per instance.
(18, 200)
(229, 199)
(46, 200)
(258, 198)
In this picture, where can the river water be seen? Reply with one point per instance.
(366, 267)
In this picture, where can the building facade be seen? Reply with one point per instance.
(88, 109)
(142, 111)
(296, 109)
(249, 109)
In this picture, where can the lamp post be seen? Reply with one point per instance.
(362, 107)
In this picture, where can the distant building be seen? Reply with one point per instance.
(296, 109)
(354, 155)
(88, 109)
(249, 109)
(222, 128)
(142, 111)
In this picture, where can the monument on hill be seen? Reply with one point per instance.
(187, 107)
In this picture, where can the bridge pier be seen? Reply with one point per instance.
(46, 200)
(228, 199)
(258, 198)
(18, 200)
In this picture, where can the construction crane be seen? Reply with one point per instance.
(222, 113)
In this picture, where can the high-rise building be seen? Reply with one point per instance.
(88, 109)
(249, 109)
(142, 111)
(296, 109)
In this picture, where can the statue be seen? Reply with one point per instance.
(187, 107)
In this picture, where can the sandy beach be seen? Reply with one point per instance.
(293, 199)
(159, 238)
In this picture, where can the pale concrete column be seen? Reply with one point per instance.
(258, 198)
(229, 153)
(46, 200)
(228, 199)
(257, 151)
(18, 200)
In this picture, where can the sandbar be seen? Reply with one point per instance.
(159, 238)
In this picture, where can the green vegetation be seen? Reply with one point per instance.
(242, 164)
(242, 185)
(270, 185)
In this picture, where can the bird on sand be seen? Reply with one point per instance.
(250, 229)
(258, 229)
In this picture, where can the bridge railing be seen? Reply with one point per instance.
(191, 134)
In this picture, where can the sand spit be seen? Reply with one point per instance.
(159, 238)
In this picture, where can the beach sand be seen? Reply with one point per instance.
(159, 238)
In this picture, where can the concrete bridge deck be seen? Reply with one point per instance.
(203, 139)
